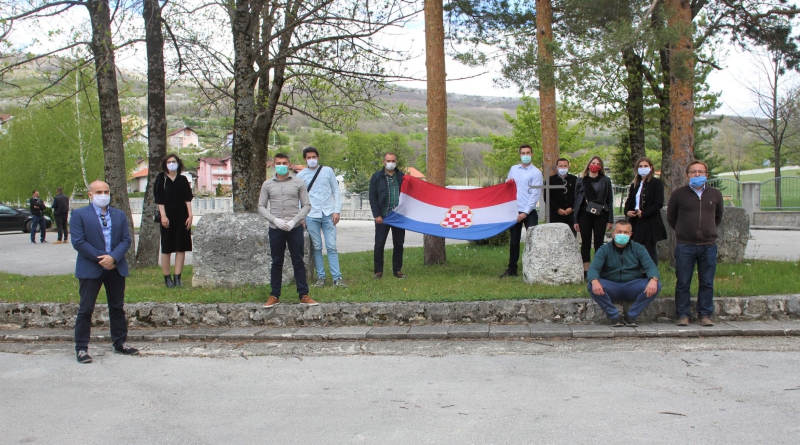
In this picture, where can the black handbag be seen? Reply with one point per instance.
(157, 215)
(595, 208)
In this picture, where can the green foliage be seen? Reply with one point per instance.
(363, 156)
(48, 145)
(527, 129)
(455, 158)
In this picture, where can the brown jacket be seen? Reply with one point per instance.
(694, 219)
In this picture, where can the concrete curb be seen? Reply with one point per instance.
(506, 312)
(426, 332)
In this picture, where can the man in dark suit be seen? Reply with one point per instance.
(563, 200)
(100, 235)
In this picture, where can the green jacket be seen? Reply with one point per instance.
(609, 264)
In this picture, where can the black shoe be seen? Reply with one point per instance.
(168, 281)
(177, 280)
(84, 357)
(508, 273)
(126, 350)
(617, 322)
(630, 321)
(43, 242)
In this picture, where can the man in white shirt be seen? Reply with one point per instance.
(525, 175)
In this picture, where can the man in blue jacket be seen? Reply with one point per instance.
(616, 274)
(100, 235)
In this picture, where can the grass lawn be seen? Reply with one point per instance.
(469, 275)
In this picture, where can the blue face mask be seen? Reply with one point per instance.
(697, 182)
(281, 169)
(526, 159)
(621, 239)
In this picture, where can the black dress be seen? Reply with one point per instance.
(174, 195)
(649, 229)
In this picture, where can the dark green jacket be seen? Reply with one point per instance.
(609, 264)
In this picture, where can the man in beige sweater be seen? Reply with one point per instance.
(278, 203)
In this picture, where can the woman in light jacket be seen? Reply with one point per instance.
(595, 208)
(643, 208)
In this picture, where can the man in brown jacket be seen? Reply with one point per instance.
(694, 212)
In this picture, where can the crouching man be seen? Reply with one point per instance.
(616, 275)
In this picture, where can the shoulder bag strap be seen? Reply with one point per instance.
(311, 184)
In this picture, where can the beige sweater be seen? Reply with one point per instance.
(284, 199)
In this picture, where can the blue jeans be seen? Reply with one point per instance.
(316, 228)
(629, 291)
(686, 256)
(40, 222)
(278, 241)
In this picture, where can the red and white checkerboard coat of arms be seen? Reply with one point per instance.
(458, 217)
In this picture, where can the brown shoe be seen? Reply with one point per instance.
(705, 320)
(400, 274)
(683, 321)
(378, 275)
(305, 299)
(271, 301)
(58, 242)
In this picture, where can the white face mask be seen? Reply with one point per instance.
(172, 166)
(312, 162)
(644, 171)
(563, 171)
(391, 166)
(101, 200)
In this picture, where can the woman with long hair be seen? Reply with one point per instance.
(594, 208)
(643, 208)
(173, 194)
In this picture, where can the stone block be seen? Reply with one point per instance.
(670, 330)
(349, 333)
(202, 334)
(162, 335)
(388, 333)
(550, 330)
(509, 331)
(478, 330)
(720, 329)
(790, 327)
(428, 332)
(312, 333)
(646, 330)
(591, 331)
(232, 249)
(733, 234)
(551, 256)
(625, 331)
(239, 334)
(759, 328)
(276, 334)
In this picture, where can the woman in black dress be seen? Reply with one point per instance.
(595, 218)
(173, 194)
(643, 208)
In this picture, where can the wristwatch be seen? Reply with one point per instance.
(654, 278)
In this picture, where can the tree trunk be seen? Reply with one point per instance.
(149, 232)
(434, 248)
(634, 106)
(665, 125)
(547, 85)
(679, 21)
(110, 121)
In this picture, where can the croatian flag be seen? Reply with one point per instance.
(458, 214)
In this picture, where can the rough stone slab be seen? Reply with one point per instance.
(312, 333)
(428, 331)
(240, 334)
(551, 256)
(670, 330)
(163, 335)
(349, 333)
(591, 331)
(202, 334)
(790, 327)
(276, 334)
(509, 331)
(550, 330)
(625, 331)
(478, 330)
(388, 333)
(720, 329)
(646, 330)
(759, 328)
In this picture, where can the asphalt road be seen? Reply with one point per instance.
(18, 255)
(657, 391)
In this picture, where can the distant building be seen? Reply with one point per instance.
(212, 172)
(182, 138)
(4, 118)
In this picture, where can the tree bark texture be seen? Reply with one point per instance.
(679, 21)
(634, 105)
(665, 124)
(547, 84)
(434, 247)
(110, 120)
(149, 232)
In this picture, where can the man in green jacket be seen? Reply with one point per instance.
(616, 274)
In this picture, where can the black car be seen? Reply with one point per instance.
(13, 219)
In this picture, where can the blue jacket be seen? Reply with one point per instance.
(87, 239)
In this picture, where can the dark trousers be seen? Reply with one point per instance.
(686, 256)
(115, 292)
(516, 233)
(36, 222)
(398, 238)
(591, 225)
(651, 249)
(62, 226)
(278, 240)
(564, 219)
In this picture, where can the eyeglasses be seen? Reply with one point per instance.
(697, 172)
(103, 219)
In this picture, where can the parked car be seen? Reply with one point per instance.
(12, 219)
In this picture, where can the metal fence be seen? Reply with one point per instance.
(780, 194)
(731, 190)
